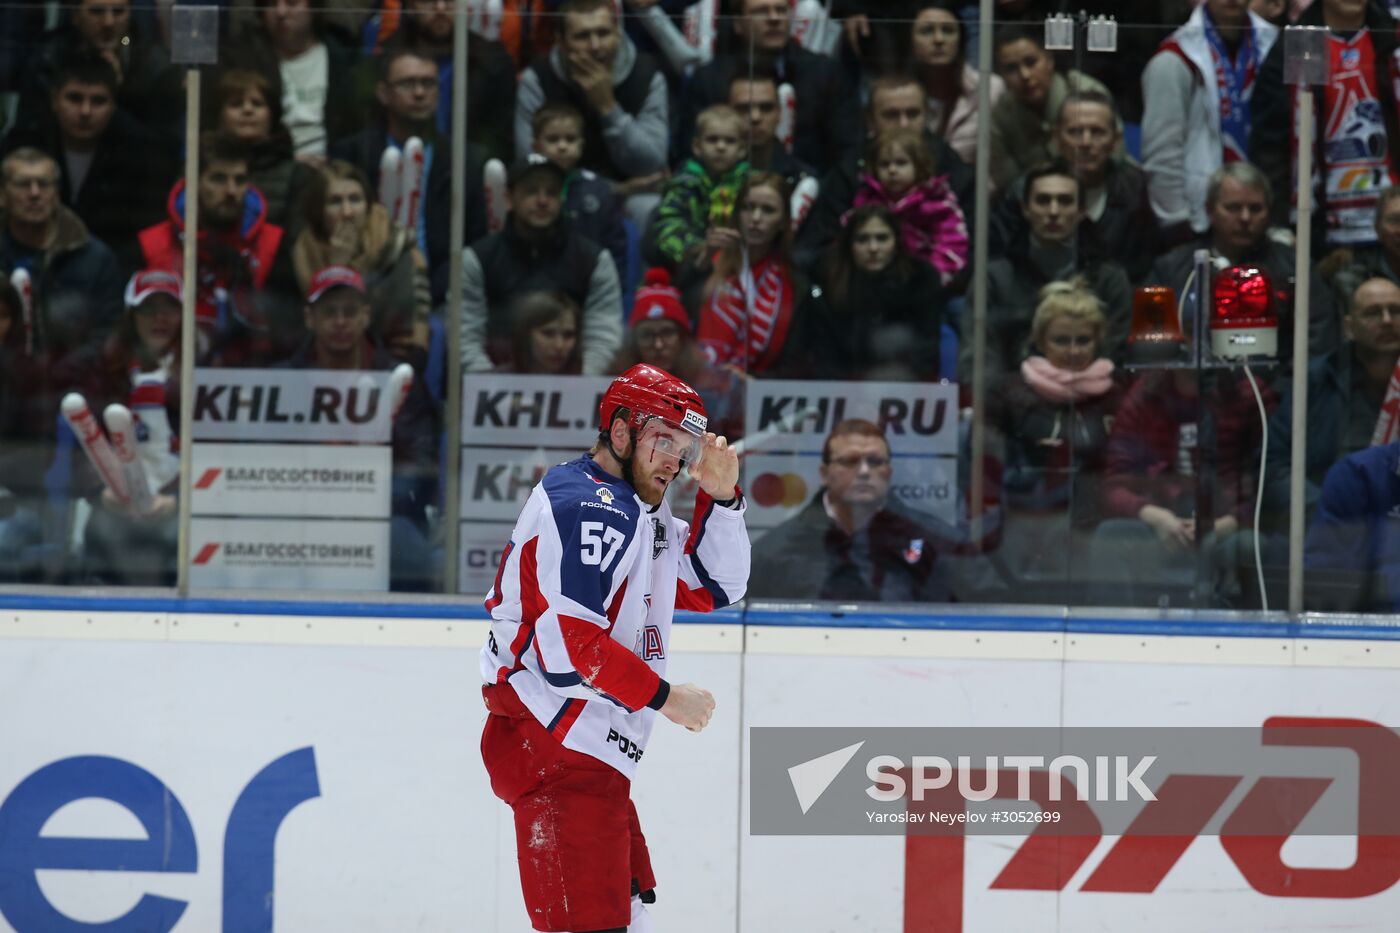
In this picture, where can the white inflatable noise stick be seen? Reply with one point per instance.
(400, 384)
(493, 183)
(812, 27)
(122, 430)
(700, 31)
(94, 443)
(484, 19)
(787, 115)
(25, 287)
(804, 195)
(411, 184)
(390, 168)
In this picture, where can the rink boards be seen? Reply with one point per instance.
(204, 766)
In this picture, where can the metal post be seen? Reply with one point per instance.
(188, 325)
(979, 269)
(452, 314)
(1303, 265)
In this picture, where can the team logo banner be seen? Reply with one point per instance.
(308, 405)
(787, 423)
(514, 428)
(312, 554)
(310, 480)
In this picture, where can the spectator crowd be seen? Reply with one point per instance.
(752, 196)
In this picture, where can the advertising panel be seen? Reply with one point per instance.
(295, 554)
(309, 480)
(787, 423)
(291, 405)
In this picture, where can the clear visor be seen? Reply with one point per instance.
(662, 442)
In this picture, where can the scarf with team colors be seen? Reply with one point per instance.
(1388, 424)
(1351, 130)
(1234, 80)
(748, 316)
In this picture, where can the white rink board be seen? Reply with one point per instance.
(405, 834)
(394, 737)
(858, 884)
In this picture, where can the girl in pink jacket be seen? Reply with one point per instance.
(935, 229)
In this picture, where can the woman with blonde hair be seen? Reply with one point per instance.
(1054, 415)
(343, 226)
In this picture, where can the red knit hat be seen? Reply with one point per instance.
(658, 300)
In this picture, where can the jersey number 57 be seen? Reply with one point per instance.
(599, 544)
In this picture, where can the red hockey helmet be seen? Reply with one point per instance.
(646, 393)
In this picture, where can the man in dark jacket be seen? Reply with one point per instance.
(1118, 220)
(1345, 392)
(852, 542)
(1353, 546)
(1050, 250)
(827, 130)
(77, 284)
(1238, 200)
(149, 86)
(756, 98)
(113, 171)
(896, 102)
(537, 252)
(408, 93)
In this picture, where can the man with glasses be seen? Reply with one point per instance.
(852, 542)
(426, 25)
(76, 281)
(408, 94)
(1349, 408)
(114, 172)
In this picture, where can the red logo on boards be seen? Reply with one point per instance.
(1253, 835)
(206, 554)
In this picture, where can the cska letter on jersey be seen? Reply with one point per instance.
(582, 603)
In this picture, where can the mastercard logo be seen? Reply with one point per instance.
(775, 489)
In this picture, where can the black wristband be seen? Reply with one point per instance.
(663, 690)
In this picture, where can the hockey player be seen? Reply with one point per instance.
(581, 619)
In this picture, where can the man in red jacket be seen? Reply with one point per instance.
(236, 250)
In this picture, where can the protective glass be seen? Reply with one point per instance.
(663, 439)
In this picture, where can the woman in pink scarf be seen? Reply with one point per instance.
(1054, 415)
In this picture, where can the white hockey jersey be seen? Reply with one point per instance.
(582, 603)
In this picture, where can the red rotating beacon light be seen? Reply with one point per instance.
(1242, 322)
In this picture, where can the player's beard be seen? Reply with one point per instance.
(647, 490)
